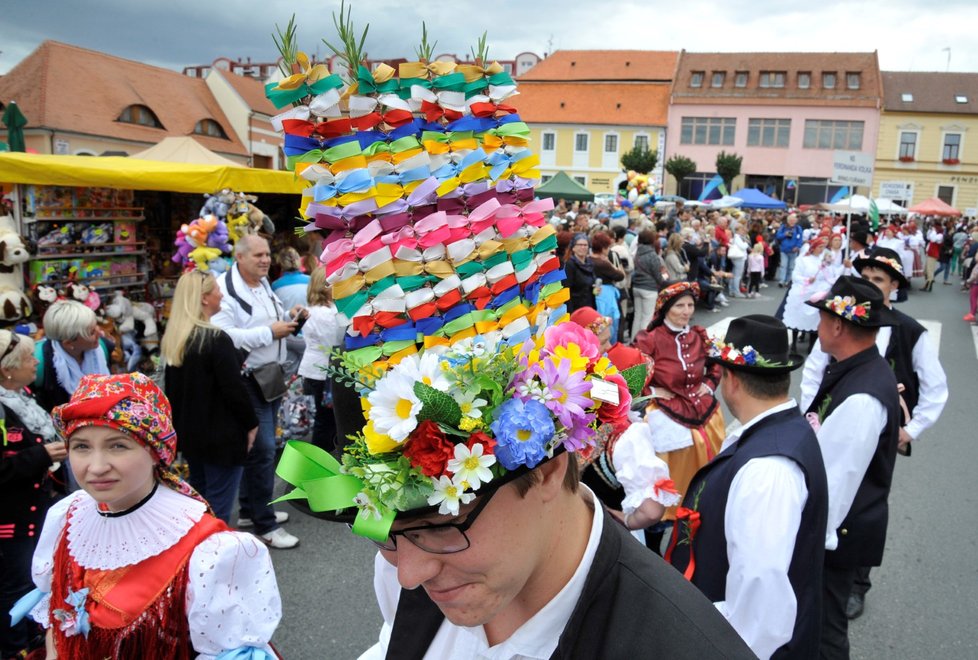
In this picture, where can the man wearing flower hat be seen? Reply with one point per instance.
(856, 412)
(907, 347)
(750, 532)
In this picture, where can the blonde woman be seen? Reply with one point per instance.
(676, 263)
(212, 413)
(322, 332)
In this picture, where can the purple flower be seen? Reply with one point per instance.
(569, 390)
(579, 433)
(522, 431)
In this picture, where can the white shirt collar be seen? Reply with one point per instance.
(538, 637)
(675, 328)
(736, 435)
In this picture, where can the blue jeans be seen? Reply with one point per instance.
(258, 484)
(324, 424)
(15, 581)
(218, 484)
(943, 267)
(787, 266)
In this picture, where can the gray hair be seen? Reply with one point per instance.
(67, 320)
(24, 347)
(245, 243)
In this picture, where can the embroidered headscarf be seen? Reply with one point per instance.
(131, 403)
(668, 297)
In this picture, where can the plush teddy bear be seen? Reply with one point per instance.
(218, 203)
(83, 294)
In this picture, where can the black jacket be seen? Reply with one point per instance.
(24, 480)
(212, 412)
(633, 605)
(580, 281)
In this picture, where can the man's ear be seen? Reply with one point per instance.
(552, 475)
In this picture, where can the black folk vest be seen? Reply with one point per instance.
(899, 355)
(862, 534)
(785, 434)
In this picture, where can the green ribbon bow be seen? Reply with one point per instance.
(319, 480)
(282, 97)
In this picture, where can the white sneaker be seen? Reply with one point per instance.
(280, 517)
(279, 538)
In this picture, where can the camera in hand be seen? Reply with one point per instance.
(301, 321)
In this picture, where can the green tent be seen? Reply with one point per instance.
(15, 121)
(562, 186)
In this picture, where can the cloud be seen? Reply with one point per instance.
(909, 34)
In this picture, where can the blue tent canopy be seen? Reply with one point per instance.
(755, 199)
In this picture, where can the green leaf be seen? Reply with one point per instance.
(437, 406)
(635, 378)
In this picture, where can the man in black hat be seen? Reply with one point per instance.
(751, 530)
(857, 410)
(914, 360)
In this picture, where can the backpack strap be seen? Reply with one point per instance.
(229, 278)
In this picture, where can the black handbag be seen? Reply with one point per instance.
(270, 379)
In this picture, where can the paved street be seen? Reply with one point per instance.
(923, 603)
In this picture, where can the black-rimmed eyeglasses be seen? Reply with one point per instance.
(441, 539)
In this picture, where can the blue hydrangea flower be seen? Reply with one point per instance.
(522, 431)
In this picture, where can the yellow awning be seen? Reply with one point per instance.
(133, 174)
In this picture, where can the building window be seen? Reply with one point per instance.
(828, 80)
(610, 144)
(946, 194)
(960, 98)
(696, 79)
(546, 177)
(209, 128)
(853, 80)
(718, 78)
(768, 132)
(952, 147)
(549, 141)
(140, 114)
(581, 180)
(906, 97)
(771, 79)
(804, 79)
(708, 130)
(829, 134)
(580, 142)
(642, 142)
(740, 80)
(908, 145)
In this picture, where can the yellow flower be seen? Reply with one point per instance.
(603, 368)
(571, 352)
(469, 424)
(378, 443)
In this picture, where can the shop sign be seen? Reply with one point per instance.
(852, 168)
(964, 179)
(62, 147)
(896, 190)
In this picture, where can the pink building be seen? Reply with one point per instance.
(784, 113)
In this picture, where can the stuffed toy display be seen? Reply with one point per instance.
(14, 303)
(246, 218)
(138, 341)
(203, 244)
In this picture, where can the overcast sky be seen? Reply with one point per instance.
(910, 35)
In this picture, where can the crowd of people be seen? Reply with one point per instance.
(772, 527)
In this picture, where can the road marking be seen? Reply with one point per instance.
(719, 329)
(974, 335)
(934, 332)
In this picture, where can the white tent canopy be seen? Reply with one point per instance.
(184, 150)
(860, 204)
(726, 202)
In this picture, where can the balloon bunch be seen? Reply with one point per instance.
(638, 193)
(202, 244)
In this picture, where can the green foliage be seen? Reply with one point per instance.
(728, 167)
(640, 159)
(480, 52)
(285, 42)
(350, 50)
(635, 378)
(680, 167)
(425, 50)
(437, 406)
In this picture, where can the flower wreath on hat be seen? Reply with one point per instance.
(747, 355)
(445, 426)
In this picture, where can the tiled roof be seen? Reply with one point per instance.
(624, 104)
(252, 91)
(869, 93)
(930, 92)
(67, 88)
(599, 65)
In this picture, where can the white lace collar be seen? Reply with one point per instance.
(105, 543)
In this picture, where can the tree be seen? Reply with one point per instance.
(680, 167)
(641, 159)
(728, 167)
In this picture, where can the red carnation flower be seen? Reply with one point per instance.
(429, 450)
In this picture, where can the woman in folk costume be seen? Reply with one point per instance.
(684, 417)
(814, 273)
(134, 565)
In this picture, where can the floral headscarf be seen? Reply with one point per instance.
(131, 403)
(668, 297)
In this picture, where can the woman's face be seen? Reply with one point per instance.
(580, 249)
(681, 312)
(836, 243)
(22, 376)
(111, 466)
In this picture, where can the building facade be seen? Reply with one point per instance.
(926, 145)
(586, 108)
(785, 114)
(250, 114)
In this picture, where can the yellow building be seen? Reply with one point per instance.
(587, 108)
(928, 141)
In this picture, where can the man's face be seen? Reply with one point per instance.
(827, 331)
(792, 221)
(881, 279)
(255, 263)
(501, 563)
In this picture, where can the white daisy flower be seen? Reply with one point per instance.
(448, 496)
(427, 369)
(470, 466)
(394, 407)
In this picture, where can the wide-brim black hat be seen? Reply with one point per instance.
(856, 301)
(756, 344)
(884, 259)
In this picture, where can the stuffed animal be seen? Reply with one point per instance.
(218, 204)
(117, 358)
(257, 220)
(203, 256)
(126, 314)
(43, 296)
(14, 303)
(83, 294)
